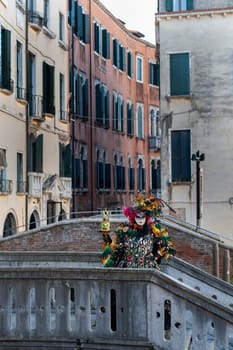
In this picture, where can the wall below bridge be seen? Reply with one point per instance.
(83, 235)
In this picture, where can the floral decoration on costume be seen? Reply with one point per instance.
(142, 241)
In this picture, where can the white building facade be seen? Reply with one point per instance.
(196, 82)
(35, 184)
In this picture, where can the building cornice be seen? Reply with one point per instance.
(194, 13)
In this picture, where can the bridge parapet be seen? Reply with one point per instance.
(105, 308)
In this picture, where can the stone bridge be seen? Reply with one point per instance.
(69, 301)
(55, 294)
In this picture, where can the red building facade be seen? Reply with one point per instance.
(114, 110)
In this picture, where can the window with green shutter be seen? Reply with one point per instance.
(154, 74)
(129, 65)
(181, 155)
(5, 54)
(130, 119)
(179, 5)
(179, 74)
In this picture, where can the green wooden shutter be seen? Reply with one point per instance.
(96, 37)
(85, 99)
(86, 29)
(179, 74)
(76, 18)
(108, 46)
(157, 74)
(6, 59)
(51, 90)
(85, 173)
(129, 68)
(114, 52)
(104, 43)
(107, 110)
(60, 160)
(189, 4)
(169, 5)
(98, 103)
(122, 116)
(39, 154)
(180, 156)
(67, 171)
(80, 22)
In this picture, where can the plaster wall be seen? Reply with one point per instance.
(207, 113)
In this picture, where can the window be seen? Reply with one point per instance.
(9, 229)
(130, 119)
(62, 97)
(119, 174)
(118, 55)
(180, 155)
(20, 183)
(141, 175)
(102, 104)
(3, 166)
(5, 54)
(139, 67)
(81, 24)
(179, 5)
(103, 172)
(48, 89)
(155, 130)
(153, 74)
(64, 160)
(118, 113)
(155, 176)
(20, 92)
(140, 121)
(36, 154)
(129, 64)
(179, 74)
(131, 175)
(46, 13)
(61, 28)
(20, 13)
(81, 95)
(102, 41)
(35, 101)
(81, 170)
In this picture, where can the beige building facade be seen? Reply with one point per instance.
(35, 183)
(195, 43)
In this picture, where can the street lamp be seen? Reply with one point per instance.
(198, 158)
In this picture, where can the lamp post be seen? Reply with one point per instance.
(198, 158)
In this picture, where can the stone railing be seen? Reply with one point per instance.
(62, 299)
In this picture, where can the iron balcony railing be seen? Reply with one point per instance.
(6, 186)
(21, 187)
(21, 93)
(36, 106)
(154, 143)
(35, 19)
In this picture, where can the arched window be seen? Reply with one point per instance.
(131, 175)
(34, 220)
(141, 176)
(9, 228)
(155, 178)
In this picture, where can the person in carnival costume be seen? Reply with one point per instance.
(140, 242)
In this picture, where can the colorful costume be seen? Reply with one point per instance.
(141, 242)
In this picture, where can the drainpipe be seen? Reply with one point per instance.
(91, 114)
(26, 116)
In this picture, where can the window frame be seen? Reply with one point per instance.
(184, 71)
(139, 69)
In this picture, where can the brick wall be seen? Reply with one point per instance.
(82, 236)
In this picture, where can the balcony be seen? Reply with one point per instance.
(6, 186)
(35, 20)
(7, 86)
(66, 181)
(35, 184)
(21, 187)
(21, 94)
(36, 107)
(154, 143)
